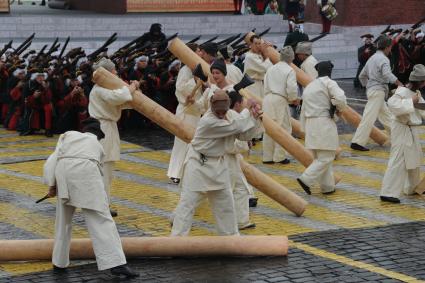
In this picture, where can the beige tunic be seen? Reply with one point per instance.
(256, 67)
(213, 139)
(321, 131)
(308, 66)
(403, 170)
(75, 169)
(234, 74)
(405, 138)
(190, 114)
(106, 106)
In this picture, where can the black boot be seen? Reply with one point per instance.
(114, 213)
(253, 202)
(124, 270)
(49, 133)
(304, 186)
(358, 147)
(390, 199)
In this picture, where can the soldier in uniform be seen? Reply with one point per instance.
(363, 54)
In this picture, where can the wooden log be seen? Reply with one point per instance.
(197, 246)
(348, 114)
(179, 128)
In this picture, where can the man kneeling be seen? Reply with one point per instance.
(74, 173)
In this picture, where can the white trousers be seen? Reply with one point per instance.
(320, 171)
(222, 205)
(276, 106)
(397, 178)
(376, 108)
(107, 170)
(103, 233)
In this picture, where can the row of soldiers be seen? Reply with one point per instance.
(50, 89)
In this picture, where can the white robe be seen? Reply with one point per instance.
(321, 134)
(206, 170)
(106, 106)
(190, 114)
(75, 169)
(403, 170)
(308, 66)
(280, 87)
(256, 67)
(234, 74)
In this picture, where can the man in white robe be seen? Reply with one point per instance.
(74, 173)
(375, 76)
(321, 134)
(188, 112)
(304, 52)
(234, 74)
(280, 88)
(106, 106)
(242, 190)
(403, 171)
(255, 66)
(206, 169)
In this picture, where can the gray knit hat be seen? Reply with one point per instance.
(418, 73)
(287, 54)
(304, 47)
(105, 63)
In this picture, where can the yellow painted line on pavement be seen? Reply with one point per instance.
(315, 212)
(25, 153)
(33, 222)
(26, 267)
(29, 145)
(25, 138)
(358, 264)
(132, 218)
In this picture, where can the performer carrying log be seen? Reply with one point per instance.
(206, 169)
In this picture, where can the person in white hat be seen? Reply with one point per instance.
(403, 170)
(106, 106)
(304, 52)
(280, 88)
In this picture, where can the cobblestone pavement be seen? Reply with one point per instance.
(349, 236)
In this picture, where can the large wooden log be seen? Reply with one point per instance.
(24, 250)
(348, 114)
(177, 127)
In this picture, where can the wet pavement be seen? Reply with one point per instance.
(349, 236)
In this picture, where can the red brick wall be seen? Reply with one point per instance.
(371, 12)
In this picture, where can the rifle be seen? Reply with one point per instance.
(229, 39)
(210, 40)
(51, 49)
(264, 32)
(318, 37)
(24, 43)
(7, 46)
(194, 40)
(64, 47)
(130, 43)
(23, 48)
(103, 48)
(418, 24)
(234, 44)
(41, 52)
